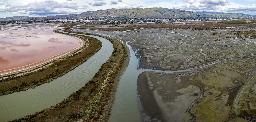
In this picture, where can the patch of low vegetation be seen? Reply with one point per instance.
(1, 23)
(246, 34)
(234, 22)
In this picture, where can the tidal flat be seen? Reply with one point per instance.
(219, 85)
(212, 94)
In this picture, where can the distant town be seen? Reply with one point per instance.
(130, 16)
(139, 64)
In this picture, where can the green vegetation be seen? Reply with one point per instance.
(1, 23)
(234, 22)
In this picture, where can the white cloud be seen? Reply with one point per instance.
(43, 8)
(98, 4)
(238, 8)
(52, 7)
(204, 5)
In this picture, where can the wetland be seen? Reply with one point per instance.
(193, 73)
(180, 73)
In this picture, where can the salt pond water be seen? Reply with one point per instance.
(22, 45)
(22, 103)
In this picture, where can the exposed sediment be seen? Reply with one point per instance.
(226, 88)
(150, 109)
(221, 92)
(93, 101)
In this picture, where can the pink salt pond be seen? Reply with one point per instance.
(23, 46)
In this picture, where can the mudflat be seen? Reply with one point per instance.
(218, 81)
(150, 109)
(215, 93)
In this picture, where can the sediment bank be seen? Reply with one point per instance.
(201, 95)
(46, 72)
(150, 109)
(93, 101)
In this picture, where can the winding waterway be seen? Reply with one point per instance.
(125, 107)
(20, 104)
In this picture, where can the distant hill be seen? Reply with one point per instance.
(146, 13)
(229, 15)
(155, 13)
(141, 13)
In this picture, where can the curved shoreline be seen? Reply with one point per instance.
(38, 64)
(93, 101)
(47, 71)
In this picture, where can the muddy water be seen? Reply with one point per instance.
(125, 107)
(19, 104)
(26, 44)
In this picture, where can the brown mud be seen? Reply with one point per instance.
(222, 92)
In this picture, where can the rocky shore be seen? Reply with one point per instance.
(93, 101)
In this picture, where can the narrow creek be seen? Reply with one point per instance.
(20, 104)
(126, 106)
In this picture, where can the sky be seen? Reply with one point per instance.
(10, 8)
